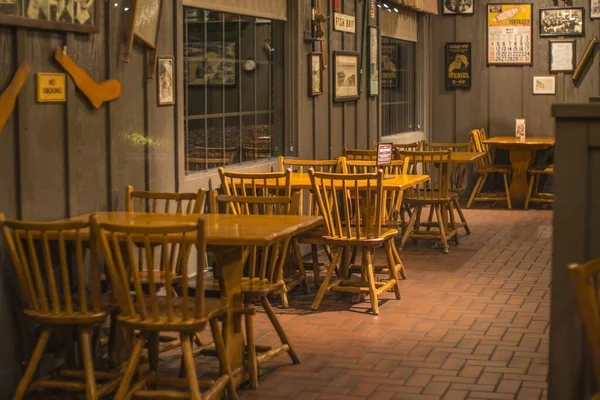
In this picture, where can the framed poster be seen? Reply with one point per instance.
(458, 7)
(58, 15)
(458, 65)
(509, 34)
(389, 65)
(315, 74)
(213, 65)
(373, 61)
(562, 56)
(544, 85)
(562, 21)
(595, 9)
(166, 81)
(346, 68)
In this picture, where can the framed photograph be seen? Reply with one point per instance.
(509, 34)
(458, 65)
(595, 9)
(166, 81)
(213, 65)
(315, 74)
(562, 56)
(562, 21)
(544, 85)
(458, 7)
(389, 65)
(59, 15)
(346, 68)
(373, 61)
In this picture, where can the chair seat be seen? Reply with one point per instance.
(252, 286)
(544, 170)
(107, 304)
(362, 240)
(158, 275)
(212, 309)
(412, 201)
(314, 236)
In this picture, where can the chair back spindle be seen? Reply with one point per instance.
(165, 202)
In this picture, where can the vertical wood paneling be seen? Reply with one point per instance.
(443, 114)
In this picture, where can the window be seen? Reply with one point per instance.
(398, 76)
(233, 89)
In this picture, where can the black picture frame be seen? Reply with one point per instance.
(545, 33)
(550, 56)
(340, 76)
(445, 7)
(492, 6)
(458, 65)
(311, 74)
(594, 9)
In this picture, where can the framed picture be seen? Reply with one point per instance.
(458, 65)
(458, 7)
(595, 9)
(315, 74)
(166, 81)
(59, 15)
(346, 68)
(562, 21)
(213, 65)
(373, 61)
(544, 85)
(389, 65)
(562, 56)
(509, 34)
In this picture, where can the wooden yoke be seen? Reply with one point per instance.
(9, 96)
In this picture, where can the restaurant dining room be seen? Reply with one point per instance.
(300, 199)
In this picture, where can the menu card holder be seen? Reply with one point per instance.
(520, 130)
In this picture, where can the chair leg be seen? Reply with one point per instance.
(279, 329)
(507, 189)
(453, 221)
(371, 282)
(300, 263)
(190, 368)
(409, 230)
(325, 283)
(398, 260)
(33, 364)
(461, 215)
(222, 355)
(392, 266)
(251, 360)
(88, 364)
(529, 192)
(440, 219)
(476, 190)
(131, 367)
(284, 299)
(316, 266)
(429, 219)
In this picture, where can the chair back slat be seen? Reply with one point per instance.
(459, 172)
(360, 154)
(438, 165)
(151, 202)
(256, 184)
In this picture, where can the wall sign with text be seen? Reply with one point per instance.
(51, 88)
(344, 23)
(458, 65)
(509, 34)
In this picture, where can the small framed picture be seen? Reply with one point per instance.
(562, 21)
(458, 65)
(315, 74)
(166, 81)
(595, 9)
(562, 56)
(544, 85)
(346, 70)
(458, 7)
(373, 61)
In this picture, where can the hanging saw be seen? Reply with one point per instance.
(320, 20)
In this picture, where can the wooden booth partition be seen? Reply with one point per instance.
(576, 240)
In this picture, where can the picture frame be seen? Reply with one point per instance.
(373, 61)
(458, 7)
(569, 21)
(315, 74)
(81, 16)
(594, 9)
(213, 65)
(562, 56)
(458, 66)
(544, 85)
(346, 71)
(509, 34)
(165, 82)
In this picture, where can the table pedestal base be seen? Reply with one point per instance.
(520, 161)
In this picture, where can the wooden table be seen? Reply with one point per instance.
(225, 236)
(521, 157)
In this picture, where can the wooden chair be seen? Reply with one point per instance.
(150, 314)
(57, 296)
(314, 237)
(264, 274)
(585, 282)
(485, 167)
(533, 193)
(414, 146)
(359, 154)
(435, 194)
(352, 206)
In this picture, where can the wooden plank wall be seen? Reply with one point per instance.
(500, 94)
(64, 159)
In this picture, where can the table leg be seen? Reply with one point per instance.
(520, 161)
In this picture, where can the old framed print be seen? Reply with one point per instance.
(59, 15)
(544, 84)
(509, 34)
(346, 68)
(213, 65)
(457, 7)
(562, 21)
(594, 9)
(458, 65)
(562, 56)
(315, 74)
(166, 81)
(373, 61)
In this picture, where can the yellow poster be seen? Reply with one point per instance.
(510, 32)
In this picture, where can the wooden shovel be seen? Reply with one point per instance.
(97, 93)
(9, 96)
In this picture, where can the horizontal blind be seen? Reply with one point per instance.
(399, 25)
(270, 9)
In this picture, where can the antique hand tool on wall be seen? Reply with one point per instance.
(97, 93)
(9, 96)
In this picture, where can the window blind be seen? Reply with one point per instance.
(270, 9)
(399, 25)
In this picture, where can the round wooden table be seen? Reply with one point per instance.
(521, 157)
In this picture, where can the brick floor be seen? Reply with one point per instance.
(472, 324)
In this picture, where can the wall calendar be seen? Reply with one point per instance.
(509, 34)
